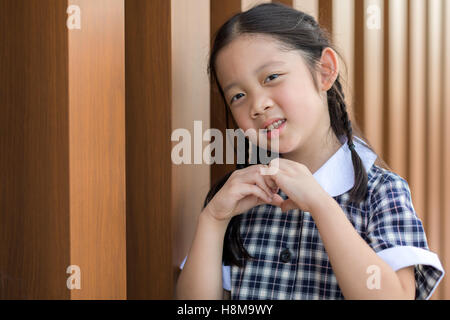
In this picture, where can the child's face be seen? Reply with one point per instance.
(283, 90)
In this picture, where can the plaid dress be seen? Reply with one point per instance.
(290, 259)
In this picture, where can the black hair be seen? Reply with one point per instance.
(294, 30)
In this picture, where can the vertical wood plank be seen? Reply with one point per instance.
(191, 99)
(445, 226)
(148, 149)
(433, 126)
(221, 11)
(373, 73)
(326, 15)
(417, 106)
(97, 149)
(433, 117)
(396, 115)
(344, 40)
(34, 150)
(359, 65)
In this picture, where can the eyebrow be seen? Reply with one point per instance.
(255, 72)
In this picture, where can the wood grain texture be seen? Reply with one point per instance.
(417, 105)
(397, 109)
(344, 39)
(190, 102)
(433, 142)
(220, 12)
(434, 137)
(445, 126)
(148, 149)
(97, 149)
(326, 15)
(359, 110)
(34, 188)
(374, 72)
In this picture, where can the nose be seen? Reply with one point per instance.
(260, 106)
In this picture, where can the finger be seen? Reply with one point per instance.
(288, 205)
(277, 200)
(260, 182)
(271, 183)
(263, 182)
(248, 189)
(285, 165)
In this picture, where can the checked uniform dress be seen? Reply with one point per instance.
(290, 260)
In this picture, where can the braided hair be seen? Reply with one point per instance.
(294, 30)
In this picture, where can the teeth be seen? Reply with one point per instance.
(275, 125)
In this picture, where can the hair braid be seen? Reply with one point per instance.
(360, 187)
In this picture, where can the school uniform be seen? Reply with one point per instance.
(290, 259)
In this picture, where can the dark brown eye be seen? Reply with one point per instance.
(232, 99)
(272, 75)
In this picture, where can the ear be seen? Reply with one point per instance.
(329, 69)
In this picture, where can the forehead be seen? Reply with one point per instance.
(248, 52)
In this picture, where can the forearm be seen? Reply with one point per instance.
(350, 256)
(201, 277)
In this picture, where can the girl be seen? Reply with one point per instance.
(331, 223)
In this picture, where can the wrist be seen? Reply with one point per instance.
(321, 202)
(209, 217)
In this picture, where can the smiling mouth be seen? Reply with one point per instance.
(275, 125)
(276, 130)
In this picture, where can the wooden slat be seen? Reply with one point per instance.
(344, 40)
(445, 194)
(148, 149)
(417, 106)
(374, 75)
(191, 99)
(97, 149)
(326, 15)
(433, 144)
(396, 142)
(220, 12)
(359, 110)
(34, 151)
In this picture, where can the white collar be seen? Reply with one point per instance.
(336, 176)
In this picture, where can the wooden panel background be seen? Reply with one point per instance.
(191, 100)
(148, 147)
(69, 147)
(97, 149)
(445, 177)
(34, 154)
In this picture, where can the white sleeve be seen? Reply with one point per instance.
(425, 262)
(226, 275)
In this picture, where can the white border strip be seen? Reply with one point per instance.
(405, 256)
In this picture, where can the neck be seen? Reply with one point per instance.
(316, 151)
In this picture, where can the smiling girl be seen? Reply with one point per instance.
(331, 223)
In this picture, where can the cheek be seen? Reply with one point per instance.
(299, 104)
